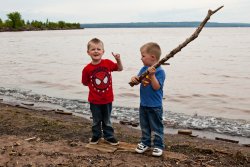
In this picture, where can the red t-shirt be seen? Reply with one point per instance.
(99, 80)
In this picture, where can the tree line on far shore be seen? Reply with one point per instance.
(16, 23)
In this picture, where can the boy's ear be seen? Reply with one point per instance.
(153, 56)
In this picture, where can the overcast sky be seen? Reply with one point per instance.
(118, 11)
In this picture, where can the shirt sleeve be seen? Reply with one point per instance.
(160, 75)
(85, 77)
(142, 70)
(112, 66)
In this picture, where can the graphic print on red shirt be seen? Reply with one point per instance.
(101, 79)
(98, 79)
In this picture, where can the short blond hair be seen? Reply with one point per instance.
(152, 48)
(95, 41)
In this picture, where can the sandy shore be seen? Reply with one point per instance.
(45, 138)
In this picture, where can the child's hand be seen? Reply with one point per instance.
(116, 56)
(151, 70)
(135, 80)
(118, 60)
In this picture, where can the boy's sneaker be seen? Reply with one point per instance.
(112, 141)
(141, 148)
(94, 140)
(157, 152)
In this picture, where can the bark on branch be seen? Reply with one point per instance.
(178, 48)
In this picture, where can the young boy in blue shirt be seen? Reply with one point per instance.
(151, 94)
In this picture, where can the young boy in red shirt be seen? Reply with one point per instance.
(97, 76)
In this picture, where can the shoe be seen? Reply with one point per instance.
(112, 141)
(141, 148)
(157, 152)
(94, 140)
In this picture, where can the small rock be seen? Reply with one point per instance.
(62, 112)
(125, 122)
(193, 135)
(17, 144)
(246, 145)
(73, 144)
(135, 124)
(13, 153)
(113, 116)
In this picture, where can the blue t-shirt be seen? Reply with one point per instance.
(150, 97)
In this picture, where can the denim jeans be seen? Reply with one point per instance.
(101, 120)
(151, 122)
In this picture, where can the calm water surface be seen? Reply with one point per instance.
(209, 77)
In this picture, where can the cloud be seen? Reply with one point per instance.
(100, 11)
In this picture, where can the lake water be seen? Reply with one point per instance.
(209, 79)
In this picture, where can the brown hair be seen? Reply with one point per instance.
(152, 48)
(95, 41)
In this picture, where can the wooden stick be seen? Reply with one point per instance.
(179, 47)
(227, 140)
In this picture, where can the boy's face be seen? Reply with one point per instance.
(148, 59)
(95, 51)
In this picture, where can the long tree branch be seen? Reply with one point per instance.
(178, 48)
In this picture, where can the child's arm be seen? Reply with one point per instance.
(154, 82)
(85, 76)
(135, 80)
(118, 60)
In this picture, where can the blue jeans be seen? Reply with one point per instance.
(101, 120)
(151, 122)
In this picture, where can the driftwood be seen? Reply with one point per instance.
(178, 48)
(28, 104)
(58, 111)
(185, 132)
(227, 140)
(31, 138)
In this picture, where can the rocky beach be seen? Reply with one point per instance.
(49, 138)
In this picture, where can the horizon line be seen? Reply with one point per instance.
(166, 22)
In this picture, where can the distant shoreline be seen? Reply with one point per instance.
(16, 23)
(162, 25)
(19, 30)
